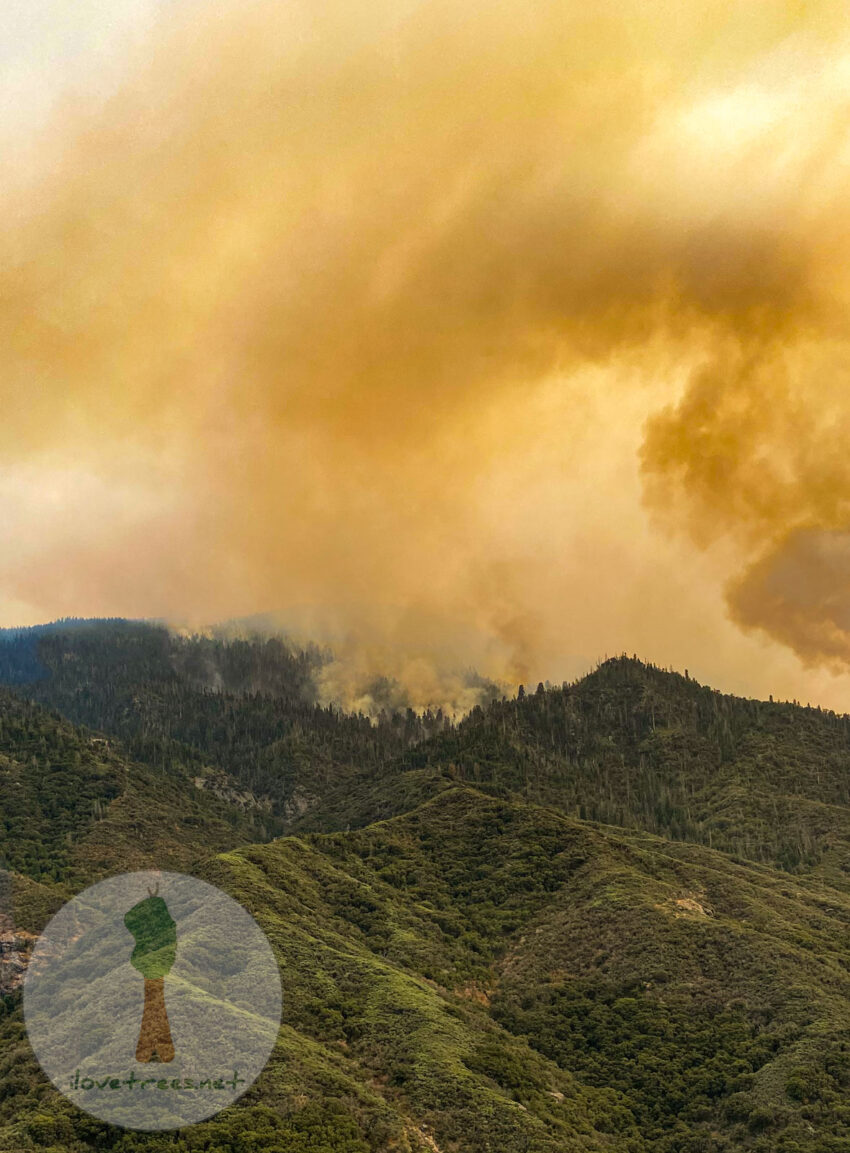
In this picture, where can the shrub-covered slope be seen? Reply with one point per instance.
(73, 807)
(480, 974)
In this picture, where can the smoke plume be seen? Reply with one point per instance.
(387, 315)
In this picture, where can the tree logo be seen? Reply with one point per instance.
(153, 930)
(152, 1000)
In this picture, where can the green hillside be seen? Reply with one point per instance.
(497, 976)
(74, 807)
(611, 916)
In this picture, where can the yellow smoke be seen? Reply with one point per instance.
(340, 308)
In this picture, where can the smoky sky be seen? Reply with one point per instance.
(370, 318)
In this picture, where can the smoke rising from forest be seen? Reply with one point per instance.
(449, 330)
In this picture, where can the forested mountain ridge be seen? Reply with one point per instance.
(610, 917)
(246, 708)
(638, 746)
(629, 744)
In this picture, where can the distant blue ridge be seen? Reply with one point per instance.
(19, 663)
(19, 660)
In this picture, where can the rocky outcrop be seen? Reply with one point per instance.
(15, 948)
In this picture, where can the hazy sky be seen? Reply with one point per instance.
(498, 334)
